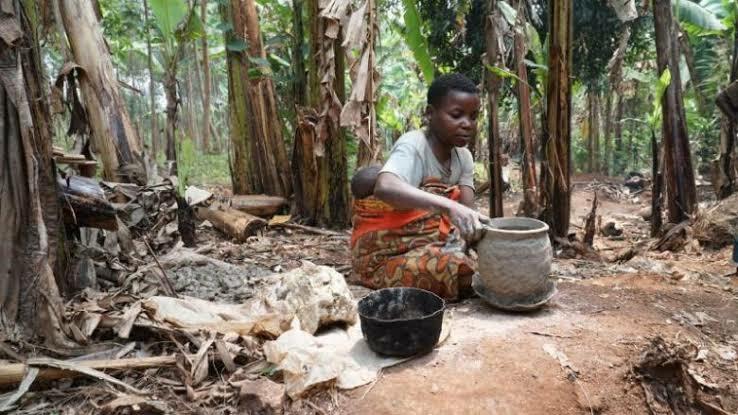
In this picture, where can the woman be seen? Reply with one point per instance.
(413, 230)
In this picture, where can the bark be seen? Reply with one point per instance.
(259, 159)
(658, 185)
(526, 122)
(234, 223)
(617, 161)
(593, 133)
(30, 302)
(694, 76)
(259, 205)
(191, 116)
(113, 135)
(555, 170)
(678, 171)
(152, 90)
(494, 140)
(299, 81)
(84, 204)
(170, 90)
(319, 158)
(727, 163)
(206, 81)
(608, 135)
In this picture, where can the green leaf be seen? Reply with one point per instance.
(192, 29)
(168, 14)
(279, 60)
(661, 84)
(508, 12)
(502, 73)
(692, 12)
(415, 40)
(236, 45)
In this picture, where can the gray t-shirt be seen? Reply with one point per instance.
(412, 160)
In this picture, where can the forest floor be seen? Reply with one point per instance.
(657, 332)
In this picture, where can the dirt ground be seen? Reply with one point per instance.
(577, 355)
(601, 320)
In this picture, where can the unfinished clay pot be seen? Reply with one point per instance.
(514, 264)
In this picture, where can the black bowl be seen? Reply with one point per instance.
(401, 321)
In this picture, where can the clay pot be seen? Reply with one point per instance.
(514, 264)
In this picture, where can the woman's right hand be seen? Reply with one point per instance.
(469, 222)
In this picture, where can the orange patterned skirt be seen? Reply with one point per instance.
(415, 248)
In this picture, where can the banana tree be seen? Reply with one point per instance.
(709, 32)
(178, 25)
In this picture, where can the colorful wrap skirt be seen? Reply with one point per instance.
(408, 248)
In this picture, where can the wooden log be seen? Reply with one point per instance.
(234, 223)
(258, 205)
(12, 374)
(83, 204)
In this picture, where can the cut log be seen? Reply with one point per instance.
(259, 205)
(83, 204)
(234, 223)
(589, 224)
(12, 374)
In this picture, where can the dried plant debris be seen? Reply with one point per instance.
(673, 384)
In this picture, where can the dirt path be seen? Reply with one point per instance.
(497, 363)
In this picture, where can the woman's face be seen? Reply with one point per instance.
(453, 121)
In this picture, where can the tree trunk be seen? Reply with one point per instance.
(30, 302)
(259, 159)
(555, 171)
(590, 135)
(658, 185)
(113, 135)
(170, 90)
(727, 163)
(678, 171)
(608, 135)
(617, 160)
(525, 118)
(191, 116)
(593, 147)
(206, 81)
(694, 76)
(299, 81)
(319, 159)
(494, 141)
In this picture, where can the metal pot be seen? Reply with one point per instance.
(515, 257)
(401, 321)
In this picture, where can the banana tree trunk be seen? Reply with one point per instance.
(526, 122)
(319, 159)
(259, 158)
(152, 90)
(608, 135)
(29, 213)
(206, 81)
(113, 135)
(555, 171)
(727, 163)
(494, 141)
(170, 90)
(678, 171)
(617, 159)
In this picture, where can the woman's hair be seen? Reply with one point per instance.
(441, 86)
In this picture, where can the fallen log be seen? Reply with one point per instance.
(13, 373)
(258, 205)
(84, 204)
(234, 223)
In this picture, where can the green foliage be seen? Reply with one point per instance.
(654, 119)
(416, 41)
(185, 162)
(695, 13)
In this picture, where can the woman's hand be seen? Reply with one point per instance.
(469, 222)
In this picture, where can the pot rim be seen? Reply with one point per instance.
(541, 226)
(395, 320)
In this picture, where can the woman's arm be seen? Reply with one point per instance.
(467, 196)
(393, 190)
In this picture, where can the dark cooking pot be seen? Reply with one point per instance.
(401, 321)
